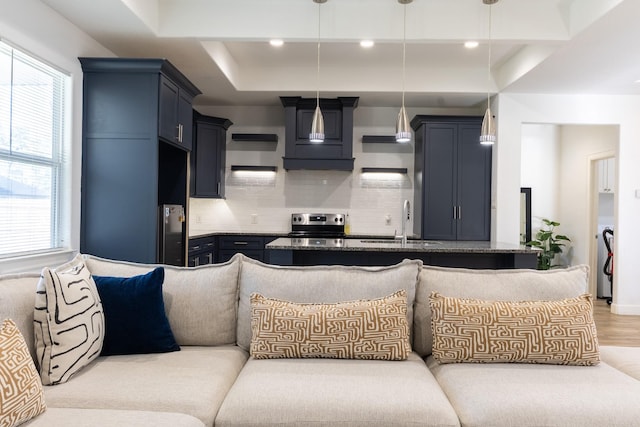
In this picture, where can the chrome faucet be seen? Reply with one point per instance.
(406, 216)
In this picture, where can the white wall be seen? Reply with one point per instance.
(540, 160)
(518, 109)
(578, 146)
(31, 26)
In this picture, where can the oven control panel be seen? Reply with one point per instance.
(317, 219)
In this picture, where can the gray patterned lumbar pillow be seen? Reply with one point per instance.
(68, 321)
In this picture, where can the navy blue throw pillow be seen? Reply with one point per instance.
(135, 320)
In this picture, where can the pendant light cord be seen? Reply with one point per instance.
(404, 48)
(318, 67)
(489, 60)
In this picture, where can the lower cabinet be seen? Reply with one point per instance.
(202, 250)
(249, 245)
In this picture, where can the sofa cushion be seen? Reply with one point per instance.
(560, 332)
(21, 396)
(200, 302)
(83, 417)
(336, 392)
(498, 285)
(68, 321)
(321, 284)
(363, 329)
(625, 359)
(514, 394)
(135, 320)
(192, 381)
(16, 303)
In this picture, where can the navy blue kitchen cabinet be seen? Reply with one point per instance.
(336, 152)
(208, 157)
(202, 251)
(249, 245)
(452, 185)
(176, 113)
(129, 165)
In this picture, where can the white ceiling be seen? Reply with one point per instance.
(538, 46)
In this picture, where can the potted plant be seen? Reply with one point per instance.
(550, 244)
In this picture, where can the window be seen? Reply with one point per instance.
(32, 109)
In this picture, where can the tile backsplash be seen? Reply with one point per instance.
(265, 203)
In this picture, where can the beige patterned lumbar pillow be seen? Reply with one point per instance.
(365, 329)
(560, 332)
(21, 396)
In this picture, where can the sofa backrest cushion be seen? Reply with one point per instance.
(17, 299)
(321, 284)
(497, 285)
(201, 302)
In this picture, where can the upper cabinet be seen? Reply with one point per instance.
(208, 158)
(607, 175)
(336, 152)
(452, 179)
(176, 113)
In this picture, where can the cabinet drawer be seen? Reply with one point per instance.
(226, 255)
(241, 243)
(202, 244)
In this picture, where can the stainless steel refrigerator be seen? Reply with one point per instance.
(171, 237)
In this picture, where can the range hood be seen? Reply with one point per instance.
(336, 152)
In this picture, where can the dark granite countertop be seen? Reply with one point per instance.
(388, 245)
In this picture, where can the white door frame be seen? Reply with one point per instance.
(593, 218)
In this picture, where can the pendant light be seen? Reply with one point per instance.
(488, 130)
(317, 125)
(403, 133)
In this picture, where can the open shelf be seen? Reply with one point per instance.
(379, 139)
(385, 170)
(254, 168)
(255, 137)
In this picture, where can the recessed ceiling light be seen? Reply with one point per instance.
(276, 42)
(367, 43)
(471, 44)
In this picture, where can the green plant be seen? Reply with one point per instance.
(550, 244)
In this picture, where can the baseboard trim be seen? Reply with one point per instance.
(625, 310)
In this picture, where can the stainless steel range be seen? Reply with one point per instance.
(317, 225)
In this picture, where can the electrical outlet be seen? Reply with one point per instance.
(387, 219)
(254, 218)
(198, 219)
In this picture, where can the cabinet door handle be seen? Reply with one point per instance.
(196, 262)
(210, 258)
(459, 212)
(241, 243)
(178, 137)
(455, 213)
(218, 188)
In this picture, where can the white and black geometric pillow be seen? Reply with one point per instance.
(68, 321)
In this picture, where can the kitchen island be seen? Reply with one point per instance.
(377, 252)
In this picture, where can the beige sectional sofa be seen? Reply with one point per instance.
(213, 380)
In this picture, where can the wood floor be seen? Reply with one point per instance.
(614, 329)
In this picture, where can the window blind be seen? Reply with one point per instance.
(32, 114)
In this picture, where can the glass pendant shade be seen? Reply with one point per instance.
(488, 130)
(317, 126)
(403, 133)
